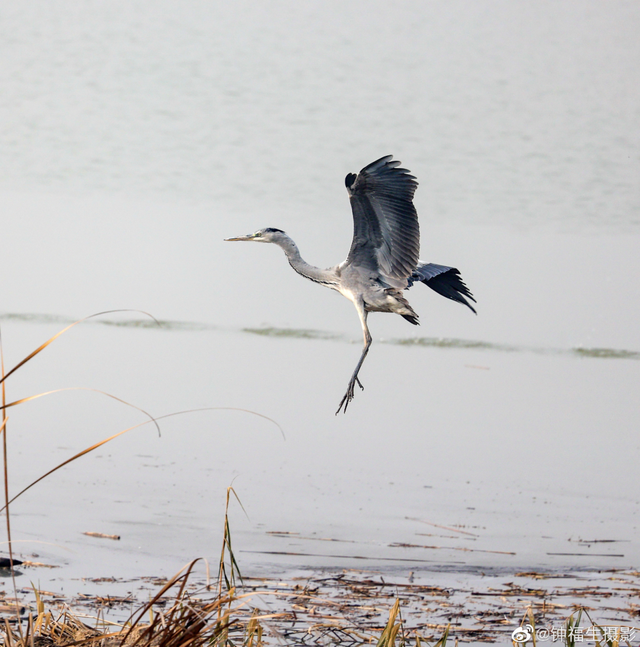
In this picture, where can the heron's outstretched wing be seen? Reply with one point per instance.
(386, 235)
(444, 280)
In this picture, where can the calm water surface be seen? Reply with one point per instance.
(134, 137)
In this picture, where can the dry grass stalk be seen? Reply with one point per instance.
(187, 623)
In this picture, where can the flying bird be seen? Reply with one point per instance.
(383, 259)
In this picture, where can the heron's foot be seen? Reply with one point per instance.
(348, 396)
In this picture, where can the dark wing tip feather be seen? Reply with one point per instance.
(450, 285)
(444, 280)
(388, 168)
(383, 176)
(384, 160)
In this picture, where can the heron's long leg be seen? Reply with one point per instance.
(348, 396)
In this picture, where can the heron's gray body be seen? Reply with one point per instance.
(383, 258)
(377, 296)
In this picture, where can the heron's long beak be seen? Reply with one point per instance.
(247, 237)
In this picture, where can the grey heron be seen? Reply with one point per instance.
(383, 259)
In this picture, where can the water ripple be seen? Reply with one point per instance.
(304, 333)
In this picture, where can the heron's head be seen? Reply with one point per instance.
(268, 235)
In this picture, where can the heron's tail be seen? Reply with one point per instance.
(445, 281)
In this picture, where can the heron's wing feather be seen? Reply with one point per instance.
(427, 271)
(386, 235)
(444, 280)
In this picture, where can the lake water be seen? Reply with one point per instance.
(136, 136)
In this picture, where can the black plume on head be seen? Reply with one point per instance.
(272, 230)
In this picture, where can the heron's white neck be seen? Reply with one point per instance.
(325, 277)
